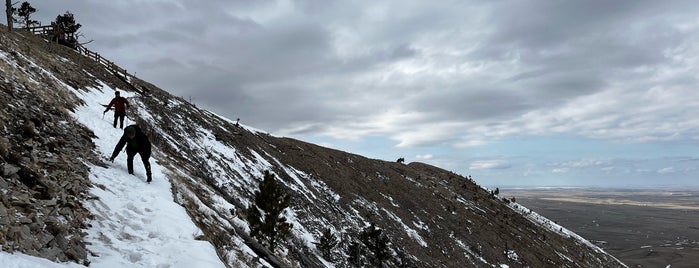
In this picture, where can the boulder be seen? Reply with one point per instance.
(9, 170)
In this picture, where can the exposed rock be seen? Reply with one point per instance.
(29, 130)
(39, 149)
(9, 169)
(51, 202)
(4, 217)
(4, 147)
(51, 253)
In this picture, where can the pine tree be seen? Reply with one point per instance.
(326, 243)
(67, 24)
(356, 252)
(25, 12)
(265, 216)
(377, 243)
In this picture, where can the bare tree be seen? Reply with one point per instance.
(9, 11)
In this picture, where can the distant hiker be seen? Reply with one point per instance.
(120, 104)
(136, 142)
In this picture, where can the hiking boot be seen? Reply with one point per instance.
(150, 178)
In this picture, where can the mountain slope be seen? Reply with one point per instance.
(432, 217)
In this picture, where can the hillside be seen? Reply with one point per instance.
(62, 200)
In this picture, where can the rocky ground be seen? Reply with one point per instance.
(43, 151)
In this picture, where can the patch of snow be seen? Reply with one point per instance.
(325, 189)
(294, 174)
(390, 199)
(371, 206)
(410, 231)
(299, 228)
(326, 263)
(512, 255)
(20, 260)
(468, 253)
(565, 257)
(421, 225)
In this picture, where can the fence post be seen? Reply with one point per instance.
(47, 31)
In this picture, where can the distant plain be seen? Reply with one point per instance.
(640, 227)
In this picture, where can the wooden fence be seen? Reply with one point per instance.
(101, 60)
(40, 30)
(47, 32)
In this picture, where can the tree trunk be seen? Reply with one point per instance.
(8, 11)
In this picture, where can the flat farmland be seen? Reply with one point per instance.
(642, 228)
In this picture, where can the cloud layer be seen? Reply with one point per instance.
(454, 74)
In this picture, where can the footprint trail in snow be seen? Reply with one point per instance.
(136, 224)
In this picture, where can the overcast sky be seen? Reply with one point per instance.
(531, 93)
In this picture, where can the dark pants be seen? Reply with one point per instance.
(144, 157)
(120, 116)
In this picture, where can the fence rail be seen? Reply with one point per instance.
(39, 30)
(48, 33)
(105, 62)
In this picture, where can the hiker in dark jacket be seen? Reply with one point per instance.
(136, 142)
(120, 104)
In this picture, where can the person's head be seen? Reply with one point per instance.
(116, 93)
(130, 132)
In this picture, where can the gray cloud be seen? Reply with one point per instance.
(421, 73)
(489, 164)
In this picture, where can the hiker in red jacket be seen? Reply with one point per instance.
(120, 105)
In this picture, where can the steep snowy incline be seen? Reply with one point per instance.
(136, 224)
